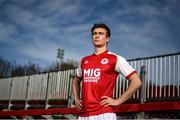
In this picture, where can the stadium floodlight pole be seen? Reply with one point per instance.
(60, 56)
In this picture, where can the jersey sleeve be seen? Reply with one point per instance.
(123, 67)
(79, 71)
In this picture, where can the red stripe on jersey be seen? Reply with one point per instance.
(132, 73)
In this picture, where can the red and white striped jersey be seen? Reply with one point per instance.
(99, 74)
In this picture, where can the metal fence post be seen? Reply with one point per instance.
(47, 91)
(142, 89)
(10, 95)
(141, 115)
(70, 90)
(27, 90)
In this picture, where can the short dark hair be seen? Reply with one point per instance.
(101, 25)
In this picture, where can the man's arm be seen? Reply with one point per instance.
(135, 84)
(76, 92)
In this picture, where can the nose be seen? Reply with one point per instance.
(96, 35)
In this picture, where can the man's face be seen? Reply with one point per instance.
(99, 37)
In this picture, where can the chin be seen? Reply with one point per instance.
(97, 45)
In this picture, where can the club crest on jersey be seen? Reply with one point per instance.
(104, 61)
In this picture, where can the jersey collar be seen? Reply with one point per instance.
(105, 52)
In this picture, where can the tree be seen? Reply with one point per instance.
(5, 68)
(31, 68)
(69, 64)
(55, 66)
(8, 69)
(18, 71)
(26, 69)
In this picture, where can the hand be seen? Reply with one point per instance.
(78, 104)
(108, 101)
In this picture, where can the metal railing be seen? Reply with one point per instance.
(161, 79)
(160, 75)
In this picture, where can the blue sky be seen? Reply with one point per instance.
(33, 30)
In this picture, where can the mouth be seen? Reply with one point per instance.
(96, 40)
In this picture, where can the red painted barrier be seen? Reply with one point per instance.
(151, 106)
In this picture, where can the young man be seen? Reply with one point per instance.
(98, 73)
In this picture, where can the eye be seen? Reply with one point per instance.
(101, 33)
(94, 33)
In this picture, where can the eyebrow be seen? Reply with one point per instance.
(101, 33)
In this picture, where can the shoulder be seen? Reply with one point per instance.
(115, 55)
(86, 58)
(118, 58)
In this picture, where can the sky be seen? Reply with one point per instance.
(33, 30)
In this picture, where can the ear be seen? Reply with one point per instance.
(107, 39)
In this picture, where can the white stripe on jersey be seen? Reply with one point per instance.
(122, 66)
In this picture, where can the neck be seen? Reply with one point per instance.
(99, 50)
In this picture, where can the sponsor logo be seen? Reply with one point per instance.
(92, 75)
(104, 61)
